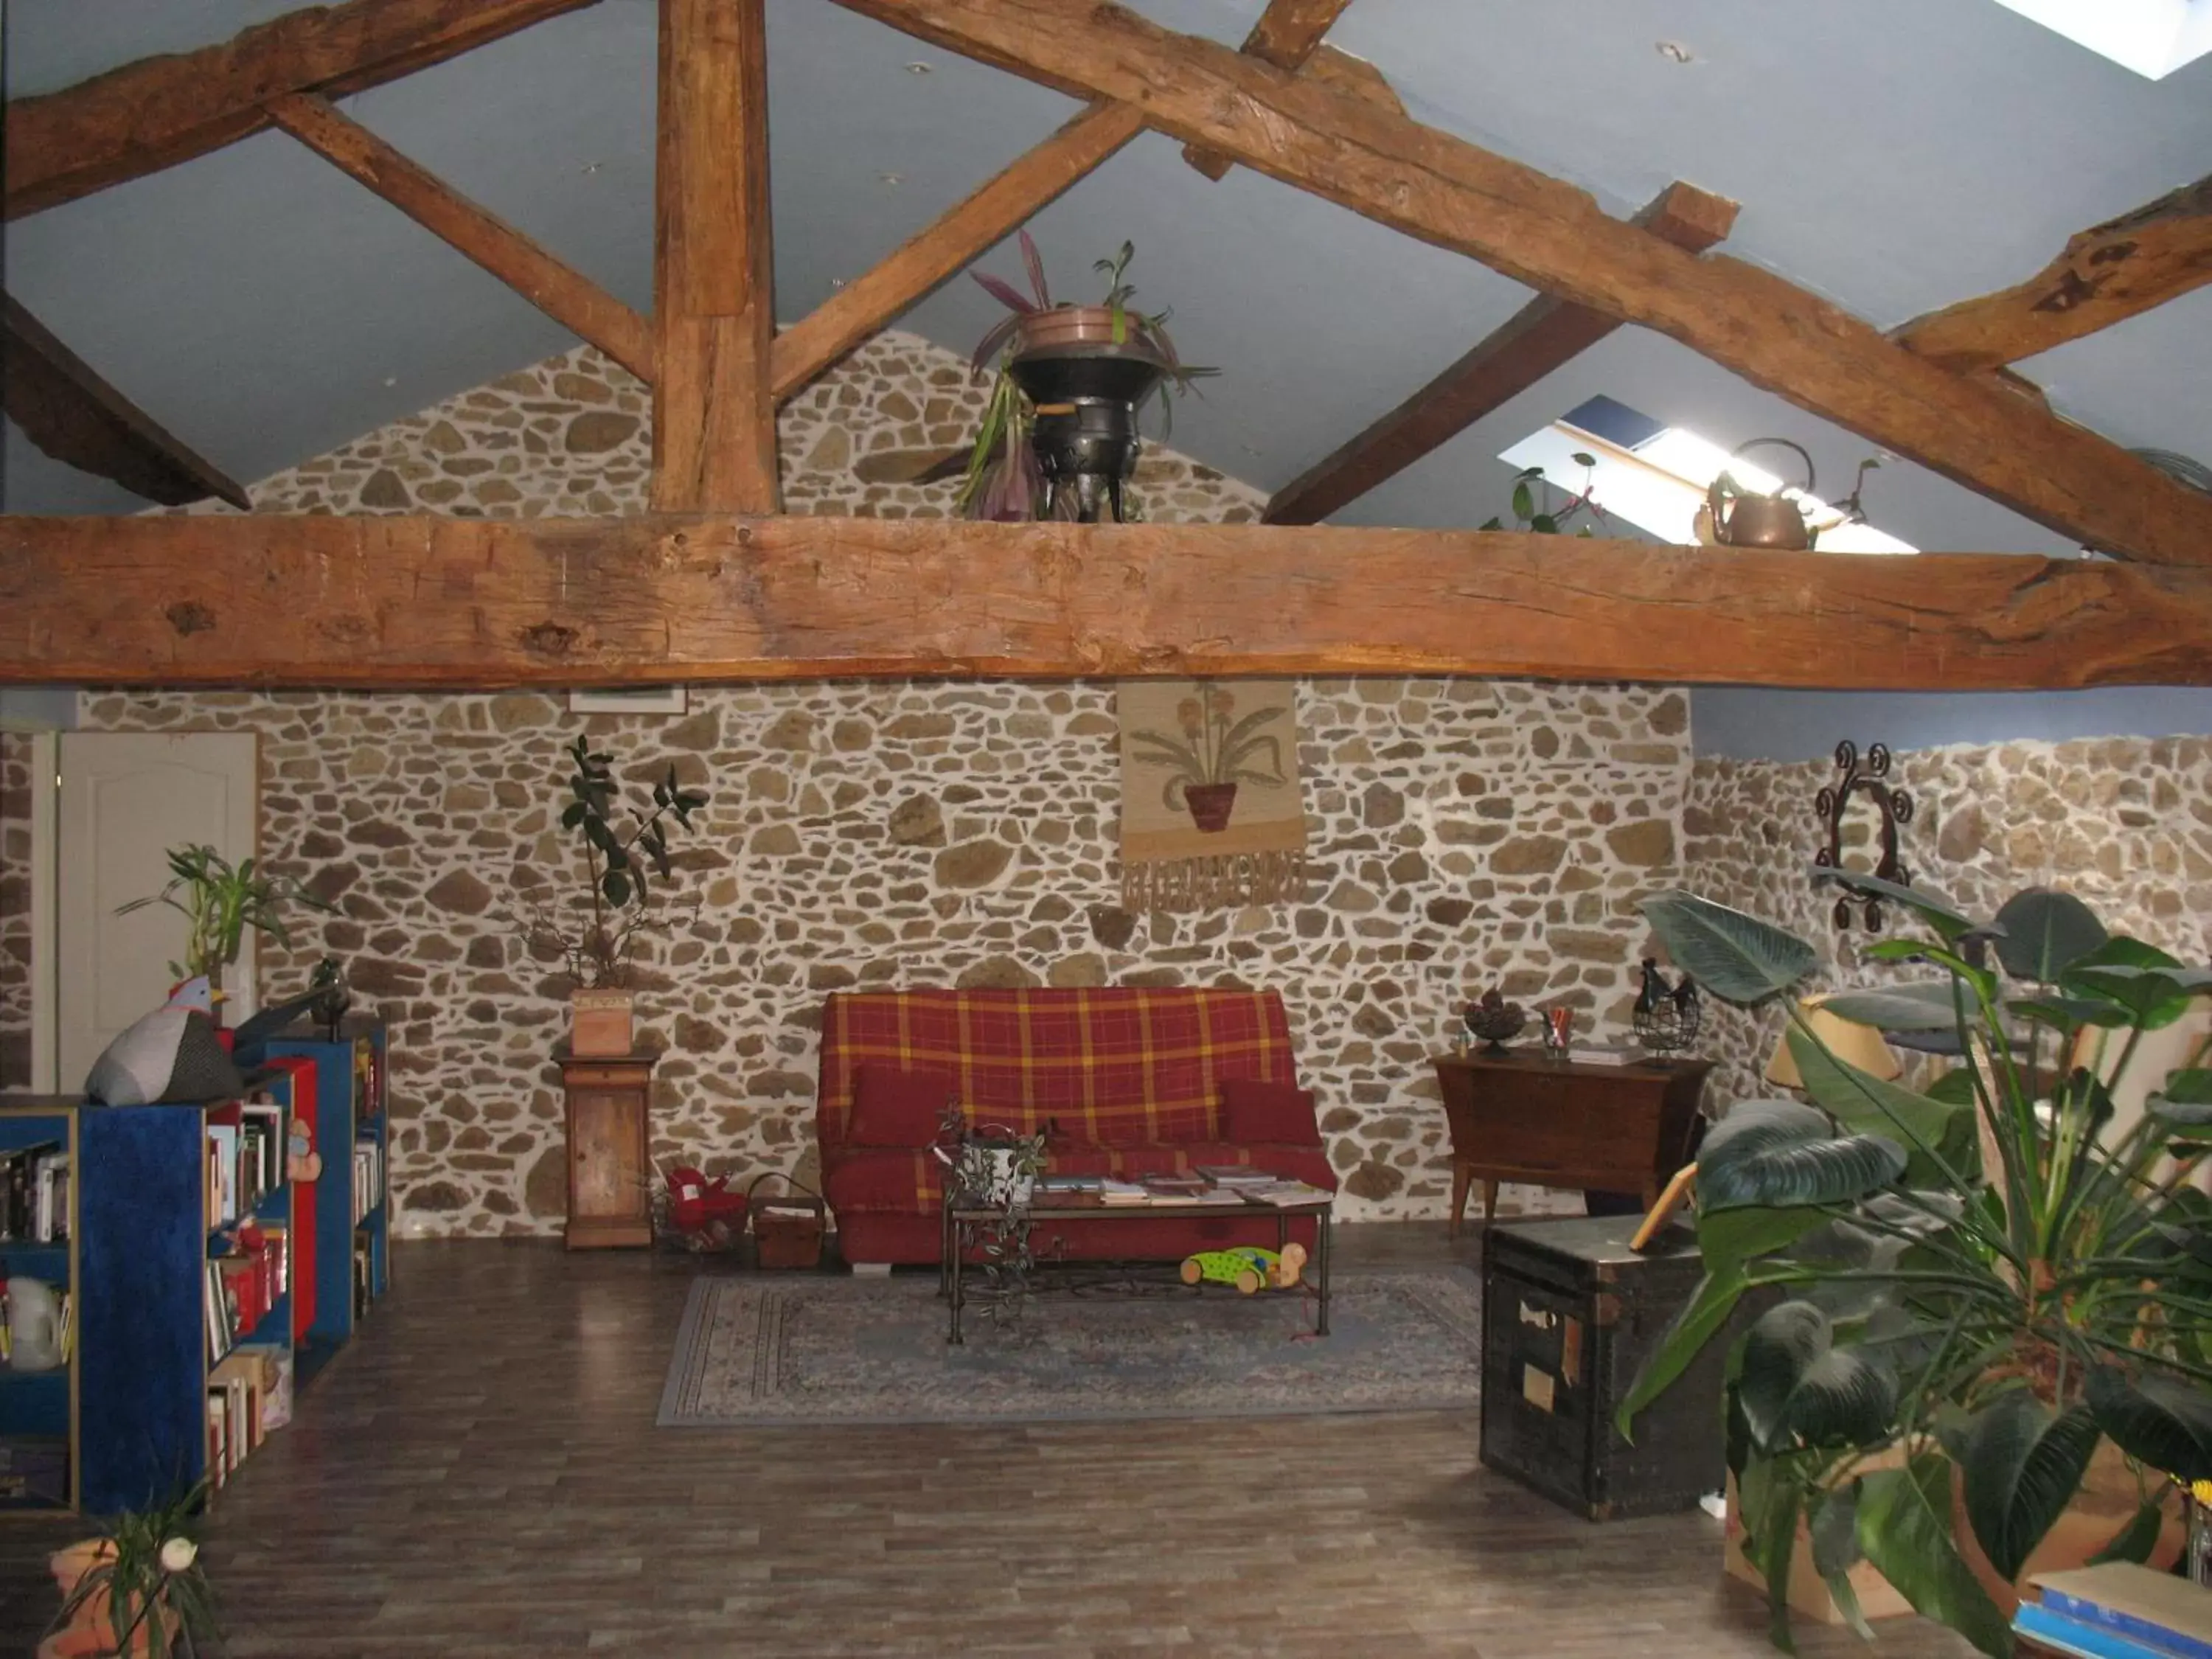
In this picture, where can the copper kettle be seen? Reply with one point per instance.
(1740, 519)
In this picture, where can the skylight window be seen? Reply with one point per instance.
(1656, 476)
(2154, 38)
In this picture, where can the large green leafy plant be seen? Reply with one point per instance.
(622, 852)
(219, 901)
(1969, 1287)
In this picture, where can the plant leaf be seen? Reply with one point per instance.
(1003, 292)
(1924, 1005)
(1782, 1152)
(2135, 1541)
(1737, 957)
(1683, 1339)
(1794, 1383)
(1834, 1530)
(1925, 902)
(1863, 1103)
(2045, 931)
(615, 885)
(1033, 262)
(2020, 1467)
(1904, 1527)
(2156, 1419)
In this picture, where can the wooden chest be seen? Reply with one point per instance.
(1569, 1313)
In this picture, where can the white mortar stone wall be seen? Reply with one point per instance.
(1463, 833)
(2123, 823)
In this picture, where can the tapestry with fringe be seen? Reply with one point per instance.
(1212, 816)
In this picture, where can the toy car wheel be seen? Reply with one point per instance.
(1248, 1280)
(1192, 1272)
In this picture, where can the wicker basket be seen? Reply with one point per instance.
(787, 1228)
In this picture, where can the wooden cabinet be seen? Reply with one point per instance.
(610, 1168)
(1554, 1123)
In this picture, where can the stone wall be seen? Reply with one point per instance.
(15, 910)
(2125, 824)
(1463, 834)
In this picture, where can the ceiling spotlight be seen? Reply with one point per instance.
(894, 180)
(917, 67)
(1672, 51)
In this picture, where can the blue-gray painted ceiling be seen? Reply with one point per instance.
(1893, 155)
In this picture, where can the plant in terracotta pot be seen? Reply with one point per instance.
(219, 901)
(622, 856)
(138, 1587)
(1214, 752)
(1982, 1336)
(1058, 438)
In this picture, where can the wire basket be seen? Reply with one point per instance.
(788, 1228)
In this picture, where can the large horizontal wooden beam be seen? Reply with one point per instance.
(312, 601)
(158, 112)
(1552, 236)
(970, 226)
(1542, 336)
(565, 295)
(1288, 32)
(2106, 274)
(71, 412)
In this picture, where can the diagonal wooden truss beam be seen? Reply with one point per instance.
(2107, 274)
(713, 408)
(1539, 338)
(566, 296)
(158, 112)
(70, 412)
(318, 601)
(969, 228)
(1552, 236)
(1288, 32)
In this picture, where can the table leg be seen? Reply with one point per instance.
(1489, 1205)
(1321, 1251)
(958, 1296)
(1462, 1179)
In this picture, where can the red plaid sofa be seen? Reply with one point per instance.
(1129, 1080)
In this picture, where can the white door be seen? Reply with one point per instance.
(126, 800)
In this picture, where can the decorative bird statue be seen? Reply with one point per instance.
(172, 1054)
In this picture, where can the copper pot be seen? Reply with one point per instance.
(1077, 329)
(1746, 521)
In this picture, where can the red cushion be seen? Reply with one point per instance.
(897, 1107)
(1254, 1111)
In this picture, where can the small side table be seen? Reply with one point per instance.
(610, 1181)
(1523, 1116)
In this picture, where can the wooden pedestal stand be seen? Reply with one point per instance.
(610, 1166)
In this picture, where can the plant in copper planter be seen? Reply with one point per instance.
(1214, 752)
(1058, 438)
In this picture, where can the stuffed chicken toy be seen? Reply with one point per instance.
(172, 1054)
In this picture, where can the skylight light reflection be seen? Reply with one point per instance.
(2154, 38)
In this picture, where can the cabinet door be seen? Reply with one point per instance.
(606, 1154)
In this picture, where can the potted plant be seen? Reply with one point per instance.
(1552, 521)
(1980, 1305)
(622, 856)
(1215, 753)
(219, 901)
(138, 1587)
(1059, 438)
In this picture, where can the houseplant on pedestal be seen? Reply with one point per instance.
(1996, 1303)
(1059, 438)
(219, 901)
(595, 932)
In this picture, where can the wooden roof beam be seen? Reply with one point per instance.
(1543, 336)
(961, 235)
(714, 406)
(155, 112)
(569, 298)
(425, 601)
(1542, 232)
(70, 412)
(1288, 32)
(2107, 274)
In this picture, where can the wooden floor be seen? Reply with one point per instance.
(479, 1475)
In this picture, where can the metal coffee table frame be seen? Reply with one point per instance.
(963, 1223)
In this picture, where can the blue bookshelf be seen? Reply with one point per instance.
(39, 1472)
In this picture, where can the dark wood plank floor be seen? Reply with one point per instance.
(479, 1475)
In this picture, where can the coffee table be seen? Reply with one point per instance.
(965, 1220)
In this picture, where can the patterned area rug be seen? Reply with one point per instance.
(756, 1350)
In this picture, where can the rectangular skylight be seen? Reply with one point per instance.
(1658, 481)
(2154, 38)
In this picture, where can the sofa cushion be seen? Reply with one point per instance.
(893, 1107)
(886, 1180)
(1255, 1111)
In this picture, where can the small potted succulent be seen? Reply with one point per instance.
(623, 856)
(1059, 438)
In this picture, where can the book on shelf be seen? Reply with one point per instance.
(2169, 1615)
(2079, 1639)
(1594, 1053)
(367, 1178)
(28, 1212)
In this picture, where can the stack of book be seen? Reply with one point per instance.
(1235, 1175)
(2118, 1611)
(243, 1286)
(1284, 1194)
(34, 1187)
